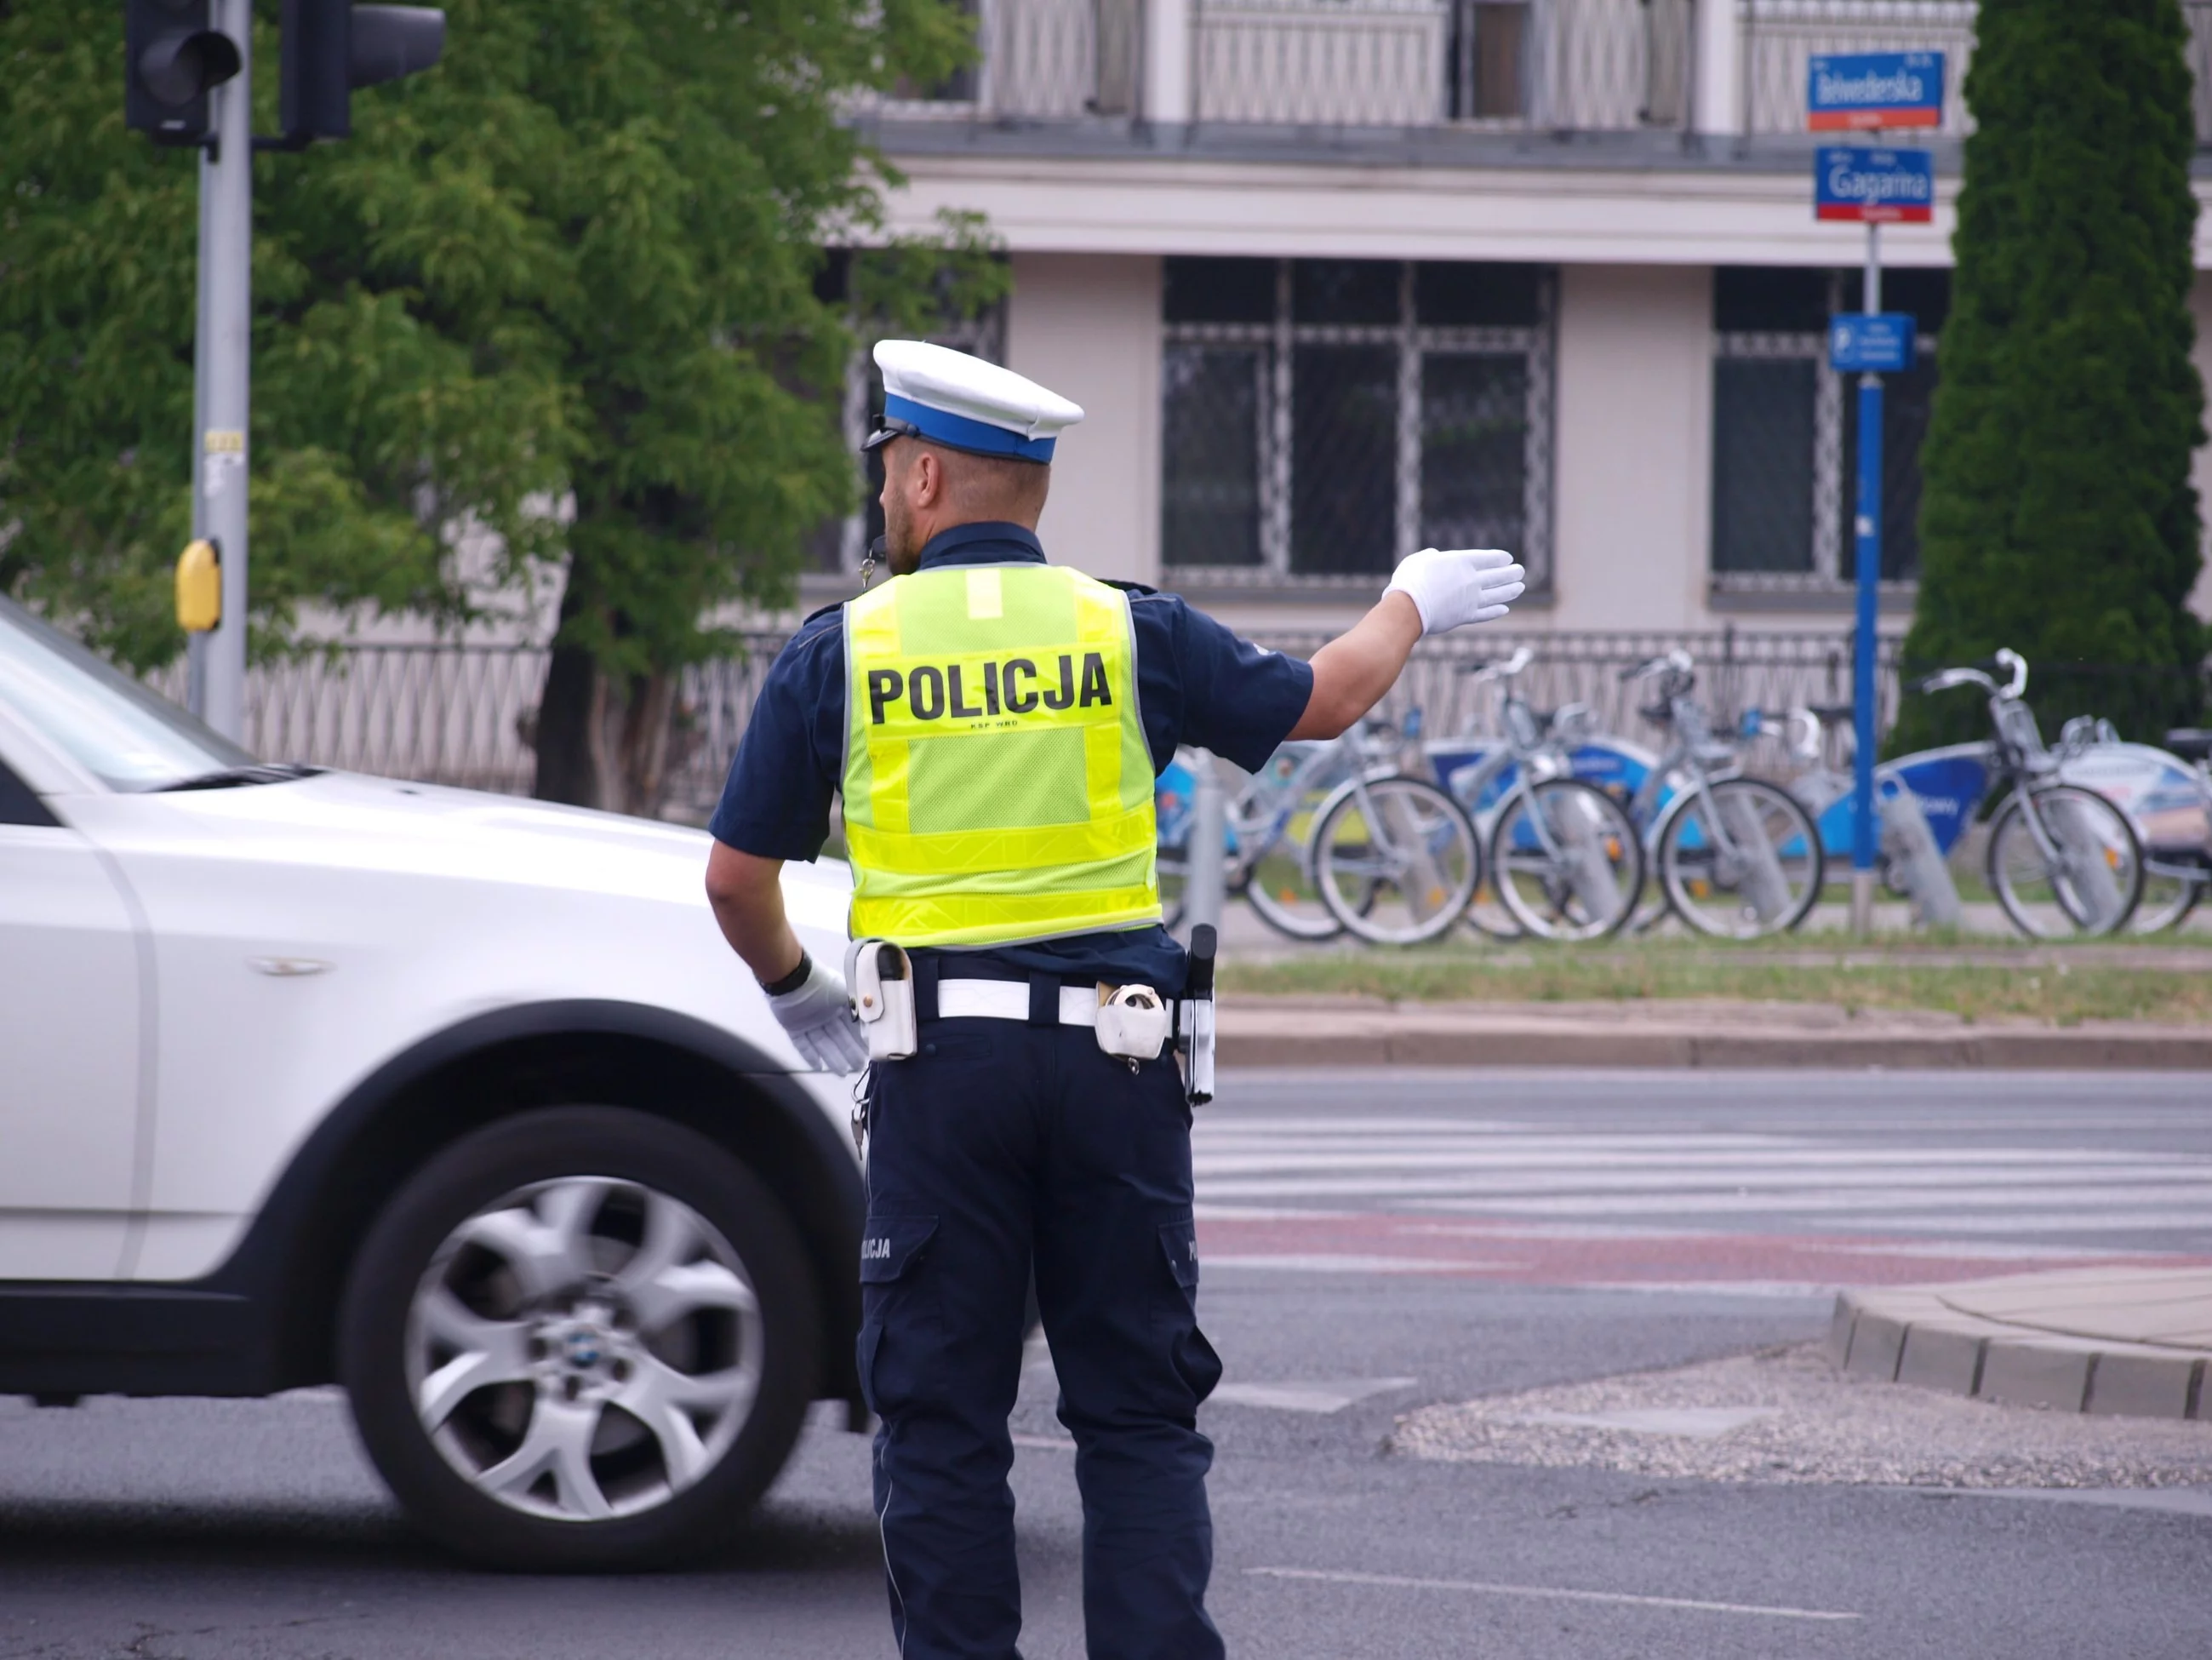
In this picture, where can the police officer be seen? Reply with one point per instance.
(996, 726)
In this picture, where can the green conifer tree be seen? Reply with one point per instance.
(2058, 516)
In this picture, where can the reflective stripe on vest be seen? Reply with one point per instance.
(998, 786)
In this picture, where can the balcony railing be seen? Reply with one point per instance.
(1465, 66)
(1595, 65)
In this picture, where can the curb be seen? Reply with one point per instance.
(1251, 1033)
(1930, 1336)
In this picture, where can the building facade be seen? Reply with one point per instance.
(1339, 279)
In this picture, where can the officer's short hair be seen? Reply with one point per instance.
(991, 486)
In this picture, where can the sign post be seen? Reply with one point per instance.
(1867, 91)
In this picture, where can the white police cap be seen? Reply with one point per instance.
(965, 404)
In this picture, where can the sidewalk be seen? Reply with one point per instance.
(1363, 1031)
(2130, 1342)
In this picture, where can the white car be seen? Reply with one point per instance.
(456, 1100)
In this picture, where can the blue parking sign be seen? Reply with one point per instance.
(1882, 342)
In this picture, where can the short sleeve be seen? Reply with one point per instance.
(1202, 685)
(775, 803)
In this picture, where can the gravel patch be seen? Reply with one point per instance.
(1785, 1414)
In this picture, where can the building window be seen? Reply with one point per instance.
(1785, 430)
(840, 545)
(1323, 418)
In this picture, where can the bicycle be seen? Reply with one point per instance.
(1268, 823)
(1737, 857)
(2062, 860)
(2167, 794)
(1563, 856)
(1392, 859)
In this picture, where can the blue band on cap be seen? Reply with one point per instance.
(961, 433)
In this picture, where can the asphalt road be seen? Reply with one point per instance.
(1374, 1244)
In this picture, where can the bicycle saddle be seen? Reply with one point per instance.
(1832, 714)
(2190, 743)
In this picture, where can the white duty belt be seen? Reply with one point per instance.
(1009, 1000)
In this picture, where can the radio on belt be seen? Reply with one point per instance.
(881, 983)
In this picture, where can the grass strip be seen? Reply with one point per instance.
(2062, 993)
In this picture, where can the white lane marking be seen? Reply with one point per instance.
(1694, 1422)
(2031, 1222)
(1575, 1150)
(2030, 1186)
(1816, 1291)
(2173, 1501)
(1353, 1263)
(1547, 1593)
(1813, 1199)
(1324, 1395)
(1822, 1166)
(1045, 1443)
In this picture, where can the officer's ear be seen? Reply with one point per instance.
(926, 483)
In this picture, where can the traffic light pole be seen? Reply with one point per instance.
(225, 356)
(1865, 844)
(195, 643)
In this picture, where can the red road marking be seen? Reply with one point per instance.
(1518, 1253)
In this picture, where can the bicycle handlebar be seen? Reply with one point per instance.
(1677, 660)
(2005, 659)
(1522, 656)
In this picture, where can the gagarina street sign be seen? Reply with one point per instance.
(1873, 187)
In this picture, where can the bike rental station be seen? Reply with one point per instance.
(1543, 825)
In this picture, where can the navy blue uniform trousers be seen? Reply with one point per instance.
(998, 1147)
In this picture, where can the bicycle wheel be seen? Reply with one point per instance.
(1566, 862)
(1396, 861)
(2088, 883)
(2173, 885)
(1486, 914)
(1280, 888)
(1755, 871)
(1172, 869)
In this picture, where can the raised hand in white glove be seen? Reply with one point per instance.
(1452, 586)
(818, 1015)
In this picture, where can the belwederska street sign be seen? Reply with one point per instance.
(1860, 92)
(1880, 341)
(1879, 187)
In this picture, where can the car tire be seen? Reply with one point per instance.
(646, 1325)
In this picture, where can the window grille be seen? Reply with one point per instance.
(1321, 419)
(1785, 437)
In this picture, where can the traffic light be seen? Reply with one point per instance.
(332, 46)
(170, 59)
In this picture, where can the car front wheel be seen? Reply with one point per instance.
(582, 1338)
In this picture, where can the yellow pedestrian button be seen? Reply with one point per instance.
(199, 587)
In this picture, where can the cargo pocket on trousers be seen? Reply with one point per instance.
(899, 1316)
(1196, 1366)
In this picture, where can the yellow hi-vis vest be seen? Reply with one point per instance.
(997, 782)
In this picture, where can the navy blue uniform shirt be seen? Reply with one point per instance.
(1197, 684)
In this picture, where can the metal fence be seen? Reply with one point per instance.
(464, 715)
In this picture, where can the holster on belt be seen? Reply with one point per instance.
(1194, 1017)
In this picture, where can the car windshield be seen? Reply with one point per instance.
(126, 736)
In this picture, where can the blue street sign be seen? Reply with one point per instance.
(1875, 186)
(1880, 343)
(1860, 91)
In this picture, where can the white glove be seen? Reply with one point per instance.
(1458, 584)
(820, 1019)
